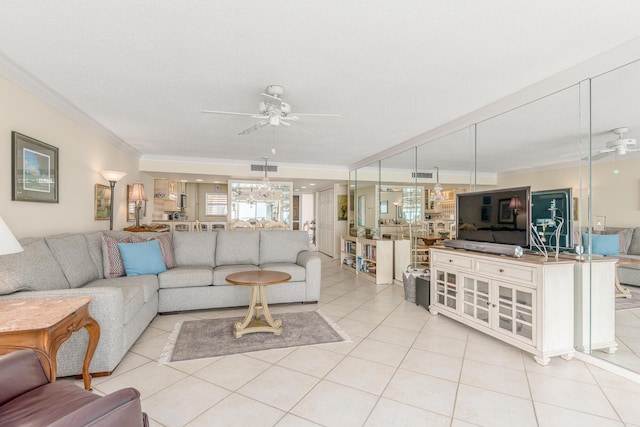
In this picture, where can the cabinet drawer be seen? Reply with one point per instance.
(522, 274)
(448, 259)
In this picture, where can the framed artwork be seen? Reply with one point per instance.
(486, 200)
(342, 207)
(131, 206)
(34, 170)
(485, 213)
(384, 207)
(505, 214)
(576, 209)
(102, 203)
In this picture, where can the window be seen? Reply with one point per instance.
(216, 204)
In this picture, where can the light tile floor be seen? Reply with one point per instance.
(628, 339)
(404, 367)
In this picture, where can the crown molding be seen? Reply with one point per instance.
(21, 77)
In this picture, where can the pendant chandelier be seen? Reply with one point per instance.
(265, 188)
(436, 197)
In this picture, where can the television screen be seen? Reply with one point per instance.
(551, 209)
(496, 216)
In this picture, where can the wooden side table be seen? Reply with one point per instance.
(258, 280)
(43, 325)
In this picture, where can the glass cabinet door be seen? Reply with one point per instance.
(475, 302)
(447, 290)
(516, 311)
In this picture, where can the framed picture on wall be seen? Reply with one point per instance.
(342, 207)
(34, 170)
(505, 214)
(384, 207)
(485, 213)
(102, 203)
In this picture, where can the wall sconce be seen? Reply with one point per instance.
(112, 177)
(8, 242)
(137, 196)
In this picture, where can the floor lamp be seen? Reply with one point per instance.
(8, 242)
(138, 195)
(112, 177)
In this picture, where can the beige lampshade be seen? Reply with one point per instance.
(137, 192)
(515, 203)
(113, 176)
(8, 242)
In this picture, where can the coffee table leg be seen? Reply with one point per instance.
(275, 324)
(252, 322)
(239, 327)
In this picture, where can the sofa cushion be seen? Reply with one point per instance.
(166, 247)
(195, 248)
(133, 297)
(112, 261)
(238, 247)
(94, 243)
(634, 246)
(73, 255)
(33, 269)
(148, 283)
(296, 271)
(282, 245)
(603, 244)
(186, 277)
(142, 258)
(221, 272)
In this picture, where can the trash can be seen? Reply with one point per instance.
(409, 281)
(423, 290)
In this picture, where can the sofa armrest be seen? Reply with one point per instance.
(121, 408)
(20, 372)
(312, 264)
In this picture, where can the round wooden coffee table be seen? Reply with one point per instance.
(258, 280)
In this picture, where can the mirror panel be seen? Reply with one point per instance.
(252, 201)
(367, 199)
(615, 202)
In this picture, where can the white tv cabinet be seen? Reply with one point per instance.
(525, 302)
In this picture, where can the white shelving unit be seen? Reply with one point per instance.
(348, 248)
(374, 260)
(525, 302)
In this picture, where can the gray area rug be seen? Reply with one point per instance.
(197, 339)
(627, 303)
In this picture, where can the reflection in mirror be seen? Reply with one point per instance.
(615, 98)
(351, 201)
(397, 189)
(252, 202)
(367, 200)
(537, 145)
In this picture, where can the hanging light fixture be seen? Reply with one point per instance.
(437, 196)
(266, 189)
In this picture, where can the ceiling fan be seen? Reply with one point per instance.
(620, 146)
(273, 111)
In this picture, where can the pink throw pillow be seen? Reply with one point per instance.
(111, 259)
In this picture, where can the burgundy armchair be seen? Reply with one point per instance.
(27, 398)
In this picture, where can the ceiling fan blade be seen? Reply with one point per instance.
(290, 118)
(228, 113)
(254, 127)
(319, 118)
(273, 100)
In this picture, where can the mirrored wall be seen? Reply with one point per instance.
(576, 152)
(254, 201)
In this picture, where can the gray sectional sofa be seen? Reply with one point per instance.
(629, 238)
(73, 264)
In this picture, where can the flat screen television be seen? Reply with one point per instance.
(549, 210)
(497, 216)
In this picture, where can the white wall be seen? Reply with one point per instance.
(616, 196)
(82, 156)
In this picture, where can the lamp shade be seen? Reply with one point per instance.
(113, 176)
(515, 203)
(8, 242)
(137, 192)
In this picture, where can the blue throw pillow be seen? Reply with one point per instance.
(142, 258)
(603, 244)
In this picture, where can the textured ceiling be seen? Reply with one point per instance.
(145, 69)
